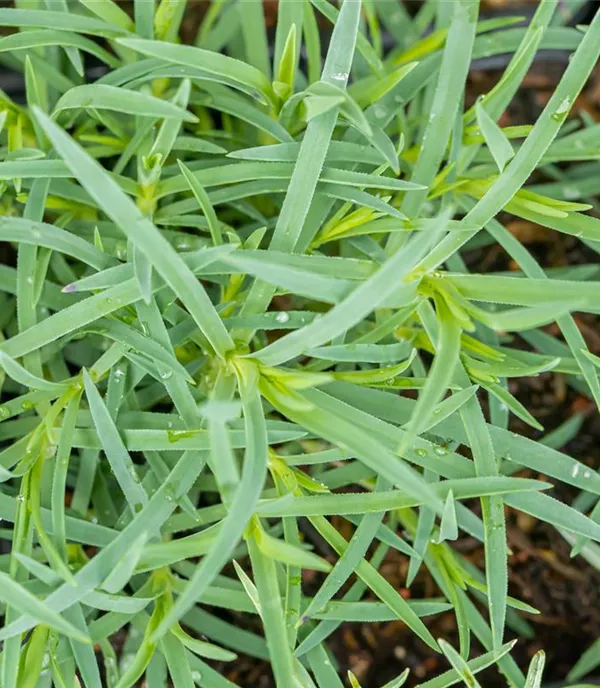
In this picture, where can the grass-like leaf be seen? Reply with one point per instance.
(141, 231)
(237, 221)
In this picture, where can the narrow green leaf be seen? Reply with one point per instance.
(475, 665)
(282, 551)
(29, 605)
(103, 97)
(315, 143)
(120, 575)
(24, 377)
(243, 504)
(265, 577)
(116, 453)
(588, 661)
(354, 503)
(254, 30)
(110, 12)
(41, 37)
(500, 147)
(63, 21)
(459, 664)
(286, 69)
(536, 669)
(448, 525)
(143, 234)
(204, 202)
(190, 56)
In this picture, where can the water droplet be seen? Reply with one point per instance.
(379, 112)
(389, 381)
(127, 659)
(27, 405)
(562, 110)
(441, 451)
(166, 375)
(176, 435)
(4, 413)
(121, 250)
(575, 471)
(421, 452)
(437, 411)
(119, 373)
(282, 317)
(49, 451)
(20, 498)
(36, 234)
(571, 193)
(587, 474)
(196, 676)
(134, 475)
(398, 98)
(94, 519)
(169, 493)
(29, 280)
(340, 76)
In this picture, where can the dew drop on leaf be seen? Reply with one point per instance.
(562, 110)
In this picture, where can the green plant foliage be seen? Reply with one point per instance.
(229, 269)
